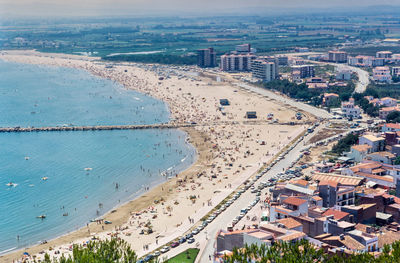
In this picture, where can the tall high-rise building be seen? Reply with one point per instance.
(264, 70)
(274, 60)
(206, 58)
(236, 62)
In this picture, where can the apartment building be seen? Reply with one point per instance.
(382, 74)
(237, 62)
(337, 56)
(206, 58)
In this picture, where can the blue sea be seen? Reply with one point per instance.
(33, 95)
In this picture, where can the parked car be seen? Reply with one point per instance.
(174, 244)
(191, 240)
(164, 249)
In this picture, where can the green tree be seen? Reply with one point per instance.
(304, 252)
(393, 117)
(344, 144)
(107, 251)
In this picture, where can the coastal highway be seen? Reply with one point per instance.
(363, 75)
(320, 113)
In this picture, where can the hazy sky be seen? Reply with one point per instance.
(140, 7)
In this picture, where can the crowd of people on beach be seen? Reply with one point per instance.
(234, 149)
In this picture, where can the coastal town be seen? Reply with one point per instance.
(343, 202)
(292, 132)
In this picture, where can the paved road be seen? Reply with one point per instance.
(320, 113)
(244, 200)
(363, 75)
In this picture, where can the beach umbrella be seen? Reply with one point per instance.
(26, 254)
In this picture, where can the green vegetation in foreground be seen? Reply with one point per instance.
(107, 251)
(305, 252)
(187, 256)
(344, 144)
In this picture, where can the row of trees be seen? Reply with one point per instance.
(119, 251)
(305, 252)
(302, 92)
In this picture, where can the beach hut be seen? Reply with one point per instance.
(224, 102)
(251, 115)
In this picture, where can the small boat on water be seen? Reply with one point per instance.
(41, 216)
(88, 169)
(44, 178)
(10, 184)
(27, 157)
(65, 214)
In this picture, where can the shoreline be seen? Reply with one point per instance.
(200, 140)
(122, 211)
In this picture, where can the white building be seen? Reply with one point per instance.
(236, 62)
(349, 110)
(264, 70)
(382, 74)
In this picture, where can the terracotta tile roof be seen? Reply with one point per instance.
(362, 227)
(340, 179)
(337, 215)
(351, 243)
(316, 198)
(282, 210)
(300, 182)
(386, 178)
(289, 223)
(372, 165)
(387, 109)
(391, 125)
(294, 201)
(330, 183)
(387, 237)
(292, 236)
(378, 171)
(331, 95)
(361, 147)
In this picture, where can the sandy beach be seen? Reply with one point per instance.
(230, 149)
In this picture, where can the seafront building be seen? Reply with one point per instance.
(237, 62)
(264, 70)
(206, 58)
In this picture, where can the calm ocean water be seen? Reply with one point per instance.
(43, 96)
